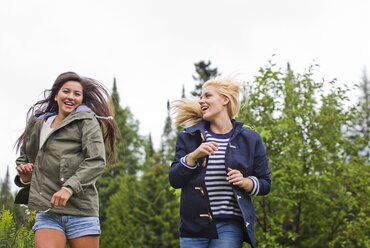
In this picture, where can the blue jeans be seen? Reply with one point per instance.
(72, 226)
(230, 235)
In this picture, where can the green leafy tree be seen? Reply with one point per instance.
(318, 197)
(361, 127)
(204, 72)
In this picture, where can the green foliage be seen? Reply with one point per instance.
(6, 198)
(320, 177)
(128, 149)
(142, 213)
(158, 210)
(12, 236)
(319, 193)
(121, 228)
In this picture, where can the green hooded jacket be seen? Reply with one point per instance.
(73, 155)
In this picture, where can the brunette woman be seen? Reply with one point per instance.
(62, 154)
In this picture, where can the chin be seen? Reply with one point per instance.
(207, 118)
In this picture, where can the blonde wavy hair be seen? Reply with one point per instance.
(188, 112)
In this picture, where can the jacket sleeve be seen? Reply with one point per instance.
(94, 162)
(22, 159)
(261, 172)
(180, 174)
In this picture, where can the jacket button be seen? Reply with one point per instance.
(247, 224)
(62, 179)
(40, 193)
(204, 163)
(210, 216)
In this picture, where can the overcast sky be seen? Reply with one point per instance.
(151, 47)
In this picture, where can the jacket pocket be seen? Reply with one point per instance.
(68, 167)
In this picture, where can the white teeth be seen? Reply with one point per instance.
(204, 108)
(68, 103)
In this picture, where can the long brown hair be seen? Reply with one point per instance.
(95, 96)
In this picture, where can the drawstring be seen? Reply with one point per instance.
(105, 118)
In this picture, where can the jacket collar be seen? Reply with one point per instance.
(203, 125)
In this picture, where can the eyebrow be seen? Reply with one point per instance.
(66, 88)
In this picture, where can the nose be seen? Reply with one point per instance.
(200, 101)
(70, 95)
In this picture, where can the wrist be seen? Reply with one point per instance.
(24, 181)
(69, 189)
(190, 159)
(248, 185)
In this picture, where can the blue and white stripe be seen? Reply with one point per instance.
(220, 192)
(256, 186)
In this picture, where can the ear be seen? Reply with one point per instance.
(226, 100)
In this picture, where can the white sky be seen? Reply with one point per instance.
(151, 47)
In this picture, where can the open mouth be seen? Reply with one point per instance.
(69, 104)
(204, 108)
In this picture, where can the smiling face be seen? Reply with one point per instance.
(69, 97)
(213, 104)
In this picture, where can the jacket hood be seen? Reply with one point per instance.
(81, 108)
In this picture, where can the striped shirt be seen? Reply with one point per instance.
(220, 192)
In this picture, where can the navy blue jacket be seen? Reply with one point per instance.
(245, 153)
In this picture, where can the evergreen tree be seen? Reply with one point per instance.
(204, 72)
(168, 139)
(183, 92)
(6, 197)
(121, 227)
(128, 152)
(158, 210)
(7, 202)
(318, 197)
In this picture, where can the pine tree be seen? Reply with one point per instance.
(204, 72)
(122, 226)
(168, 139)
(128, 152)
(158, 209)
(6, 197)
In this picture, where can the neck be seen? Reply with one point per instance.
(221, 125)
(58, 120)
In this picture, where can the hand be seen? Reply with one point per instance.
(25, 172)
(236, 178)
(205, 149)
(60, 198)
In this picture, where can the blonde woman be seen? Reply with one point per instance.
(218, 165)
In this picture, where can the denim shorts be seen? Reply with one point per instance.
(230, 234)
(71, 226)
